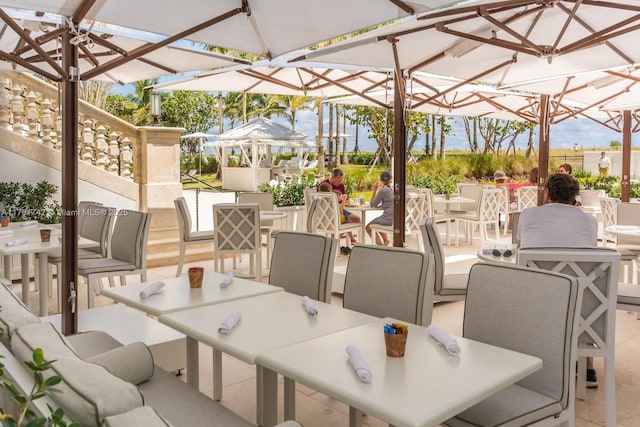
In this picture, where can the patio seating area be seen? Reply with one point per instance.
(316, 409)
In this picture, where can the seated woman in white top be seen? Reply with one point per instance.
(559, 222)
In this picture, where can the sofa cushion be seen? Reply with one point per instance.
(145, 416)
(88, 393)
(27, 338)
(132, 363)
(13, 313)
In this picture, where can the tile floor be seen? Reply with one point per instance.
(317, 410)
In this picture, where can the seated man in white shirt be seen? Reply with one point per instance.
(560, 223)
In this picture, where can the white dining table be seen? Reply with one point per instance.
(631, 231)
(485, 253)
(34, 245)
(448, 203)
(267, 322)
(176, 295)
(424, 388)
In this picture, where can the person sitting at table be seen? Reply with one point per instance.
(567, 169)
(382, 197)
(336, 180)
(558, 223)
(531, 180)
(325, 187)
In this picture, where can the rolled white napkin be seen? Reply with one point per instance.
(16, 242)
(28, 223)
(153, 288)
(309, 306)
(228, 280)
(448, 342)
(6, 232)
(359, 364)
(229, 322)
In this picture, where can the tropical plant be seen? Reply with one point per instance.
(24, 202)
(26, 417)
(289, 193)
(439, 184)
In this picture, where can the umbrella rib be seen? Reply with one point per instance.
(31, 42)
(571, 15)
(476, 77)
(524, 40)
(602, 36)
(607, 43)
(342, 86)
(82, 10)
(150, 47)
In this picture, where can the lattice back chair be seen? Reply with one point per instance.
(527, 197)
(507, 210)
(324, 218)
(590, 201)
(390, 282)
(533, 312)
(96, 225)
(237, 231)
(446, 287)
(609, 208)
(597, 271)
(487, 213)
(415, 214)
(265, 202)
(302, 263)
(628, 214)
(188, 237)
(128, 255)
(469, 191)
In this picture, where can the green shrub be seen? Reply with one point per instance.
(361, 158)
(289, 193)
(439, 184)
(26, 202)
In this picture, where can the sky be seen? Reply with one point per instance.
(586, 133)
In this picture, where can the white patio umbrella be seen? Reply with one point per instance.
(266, 27)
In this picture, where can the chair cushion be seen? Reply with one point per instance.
(101, 265)
(132, 363)
(200, 235)
(513, 406)
(628, 293)
(454, 284)
(13, 313)
(55, 257)
(144, 416)
(78, 394)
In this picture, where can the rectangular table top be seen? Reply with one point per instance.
(267, 322)
(177, 295)
(423, 388)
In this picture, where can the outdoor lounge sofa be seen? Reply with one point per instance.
(103, 382)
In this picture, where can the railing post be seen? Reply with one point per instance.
(156, 169)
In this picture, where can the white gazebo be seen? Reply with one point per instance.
(254, 140)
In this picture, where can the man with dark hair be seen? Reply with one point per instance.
(559, 223)
(565, 168)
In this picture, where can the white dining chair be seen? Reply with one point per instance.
(127, 255)
(415, 214)
(265, 202)
(324, 218)
(597, 270)
(188, 237)
(533, 312)
(237, 231)
(487, 213)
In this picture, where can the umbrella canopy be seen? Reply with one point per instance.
(264, 27)
(502, 42)
(261, 129)
(101, 44)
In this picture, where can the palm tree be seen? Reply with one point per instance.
(293, 104)
(142, 97)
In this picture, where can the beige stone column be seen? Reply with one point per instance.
(156, 168)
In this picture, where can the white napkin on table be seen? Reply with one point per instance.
(359, 364)
(229, 322)
(228, 280)
(28, 223)
(153, 288)
(16, 242)
(309, 306)
(6, 232)
(445, 339)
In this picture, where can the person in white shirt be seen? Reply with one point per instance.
(560, 223)
(604, 165)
